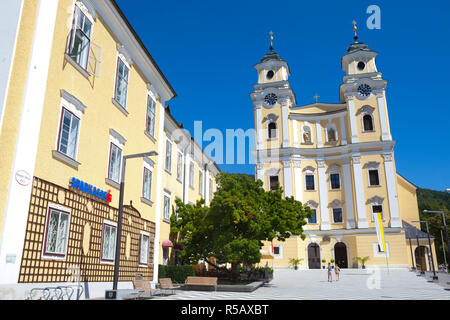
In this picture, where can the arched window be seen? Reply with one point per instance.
(368, 122)
(272, 127)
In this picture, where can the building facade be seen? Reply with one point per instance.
(338, 159)
(79, 90)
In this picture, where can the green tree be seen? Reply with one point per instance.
(240, 217)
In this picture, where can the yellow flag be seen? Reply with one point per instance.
(380, 231)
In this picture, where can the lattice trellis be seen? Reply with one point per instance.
(85, 211)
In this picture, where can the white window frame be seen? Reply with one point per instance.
(166, 206)
(118, 172)
(362, 122)
(122, 59)
(79, 8)
(342, 214)
(191, 174)
(335, 169)
(147, 252)
(200, 182)
(150, 116)
(309, 171)
(273, 175)
(118, 141)
(372, 204)
(56, 255)
(168, 157)
(66, 107)
(280, 254)
(269, 131)
(375, 166)
(104, 259)
(147, 195)
(180, 163)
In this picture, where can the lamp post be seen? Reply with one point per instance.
(119, 222)
(445, 229)
(431, 251)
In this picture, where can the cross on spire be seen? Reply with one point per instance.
(271, 40)
(317, 97)
(355, 28)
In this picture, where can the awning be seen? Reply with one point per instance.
(167, 244)
(266, 255)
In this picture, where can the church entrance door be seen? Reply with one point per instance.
(314, 256)
(340, 255)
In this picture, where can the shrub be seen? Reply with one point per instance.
(178, 274)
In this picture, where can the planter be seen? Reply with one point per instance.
(295, 268)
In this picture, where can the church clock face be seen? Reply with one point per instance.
(270, 99)
(364, 90)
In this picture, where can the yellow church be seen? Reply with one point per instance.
(338, 159)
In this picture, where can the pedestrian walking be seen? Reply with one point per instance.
(336, 271)
(330, 275)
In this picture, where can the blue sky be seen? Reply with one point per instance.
(207, 50)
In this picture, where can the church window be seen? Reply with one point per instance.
(272, 127)
(337, 215)
(374, 179)
(309, 182)
(273, 182)
(377, 208)
(367, 122)
(335, 181)
(270, 74)
(313, 218)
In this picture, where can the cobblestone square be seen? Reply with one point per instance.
(354, 284)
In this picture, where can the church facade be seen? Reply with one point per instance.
(338, 159)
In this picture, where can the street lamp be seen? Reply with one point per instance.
(445, 230)
(119, 222)
(431, 251)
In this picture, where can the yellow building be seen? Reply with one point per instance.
(338, 159)
(78, 91)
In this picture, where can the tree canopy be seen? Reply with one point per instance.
(240, 217)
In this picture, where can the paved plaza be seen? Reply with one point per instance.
(313, 285)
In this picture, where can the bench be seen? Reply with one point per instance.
(144, 289)
(196, 282)
(166, 284)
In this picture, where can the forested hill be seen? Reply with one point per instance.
(436, 201)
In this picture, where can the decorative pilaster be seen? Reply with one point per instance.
(359, 193)
(295, 133)
(319, 134)
(352, 118)
(260, 172)
(383, 117)
(287, 178)
(325, 217)
(348, 194)
(284, 119)
(298, 179)
(259, 131)
(343, 131)
(391, 189)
